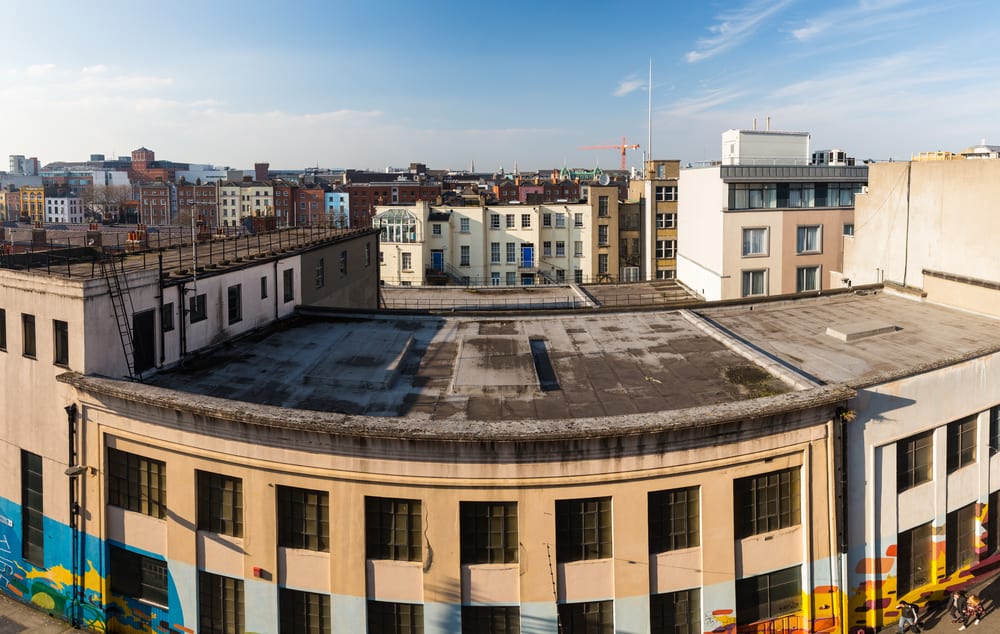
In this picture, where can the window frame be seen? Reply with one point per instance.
(962, 442)
(167, 317)
(491, 619)
(488, 532)
(3, 330)
(301, 612)
(137, 576)
(60, 343)
(303, 518)
(747, 282)
(665, 617)
(393, 529)
(803, 244)
(914, 556)
(197, 308)
(219, 503)
(288, 285)
(591, 617)
(234, 303)
(909, 473)
(389, 616)
(29, 340)
(960, 538)
(135, 496)
(221, 604)
(800, 278)
(583, 529)
(32, 509)
(768, 502)
(786, 583)
(747, 248)
(674, 518)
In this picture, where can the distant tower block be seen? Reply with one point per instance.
(260, 171)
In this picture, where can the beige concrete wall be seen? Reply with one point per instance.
(700, 260)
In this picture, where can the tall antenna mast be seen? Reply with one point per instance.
(649, 122)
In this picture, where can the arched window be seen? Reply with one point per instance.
(398, 225)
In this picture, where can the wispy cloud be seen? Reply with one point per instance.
(629, 85)
(707, 100)
(734, 27)
(95, 69)
(39, 70)
(864, 14)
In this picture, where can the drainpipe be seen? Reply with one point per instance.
(159, 283)
(182, 313)
(275, 289)
(74, 514)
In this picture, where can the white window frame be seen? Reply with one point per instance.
(802, 244)
(800, 271)
(748, 246)
(747, 276)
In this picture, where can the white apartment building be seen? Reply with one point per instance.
(509, 245)
(64, 209)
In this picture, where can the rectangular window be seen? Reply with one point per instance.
(321, 273)
(914, 558)
(525, 221)
(495, 252)
(809, 239)
(220, 604)
(287, 282)
(491, 619)
(666, 193)
(914, 460)
(436, 228)
(197, 309)
(767, 502)
(594, 617)
(510, 221)
(994, 430)
(60, 342)
(673, 519)
(494, 278)
(960, 539)
(464, 256)
(769, 595)
(511, 252)
(547, 248)
(755, 241)
(494, 221)
(602, 235)
(807, 279)
(666, 221)
(510, 278)
(463, 225)
(395, 618)
(167, 317)
(547, 219)
(602, 264)
(675, 612)
(303, 519)
(137, 576)
(583, 529)
(560, 220)
(603, 207)
(3, 330)
(578, 248)
(560, 249)
(263, 287)
(848, 228)
(32, 531)
(393, 529)
(235, 303)
(578, 220)
(666, 249)
(406, 261)
(754, 283)
(303, 612)
(220, 503)
(137, 483)
(488, 532)
(961, 443)
(28, 335)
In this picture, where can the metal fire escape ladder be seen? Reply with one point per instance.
(121, 300)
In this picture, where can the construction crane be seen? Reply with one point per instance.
(624, 146)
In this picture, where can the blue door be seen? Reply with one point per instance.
(437, 260)
(527, 256)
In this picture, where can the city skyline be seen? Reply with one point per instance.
(347, 85)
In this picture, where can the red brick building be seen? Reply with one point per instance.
(365, 196)
(201, 201)
(310, 205)
(284, 203)
(145, 167)
(154, 204)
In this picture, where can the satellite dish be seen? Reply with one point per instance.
(604, 179)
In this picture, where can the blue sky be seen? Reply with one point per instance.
(373, 84)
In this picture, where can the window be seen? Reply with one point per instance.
(848, 228)
(220, 503)
(603, 208)
(914, 459)
(525, 221)
(137, 576)
(673, 519)
(235, 303)
(914, 558)
(960, 538)
(602, 264)
(666, 249)
(994, 430)
(561, 220)
(602, 235)
(488, 532)
(406, 261)
(28, 335)
(511, 252)
(510, 221)
(60, 342)
(666, 193)
(494, 221)
(436, 228)
(220, 604)
(510, 279)
(495, 252)
(754, 283)
(395, 618)
(675, 612)
(666, 221)
(398, 225)
(287, 282)
(755, 241)
(767, 502)
(167, 317)
(3, 330)
(491, 619)
(560, 249)
(595, 617)
(546, 248)
(263, 288)
(303, 612)
(753, 196)
(463, 224)
(583, 529)
(321, 273)
(769, 595)
(809, 239)
(494, 278)
(303, 519)
(137, 483)
(32, 512)
(807, 279)
(578, 248)
(392, 529)
(547, 219)
(196, 309)
(801, 195)
(463, 257)
(961, 443)
(578, 220)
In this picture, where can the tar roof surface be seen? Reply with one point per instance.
(925, 334)
(480, 368)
